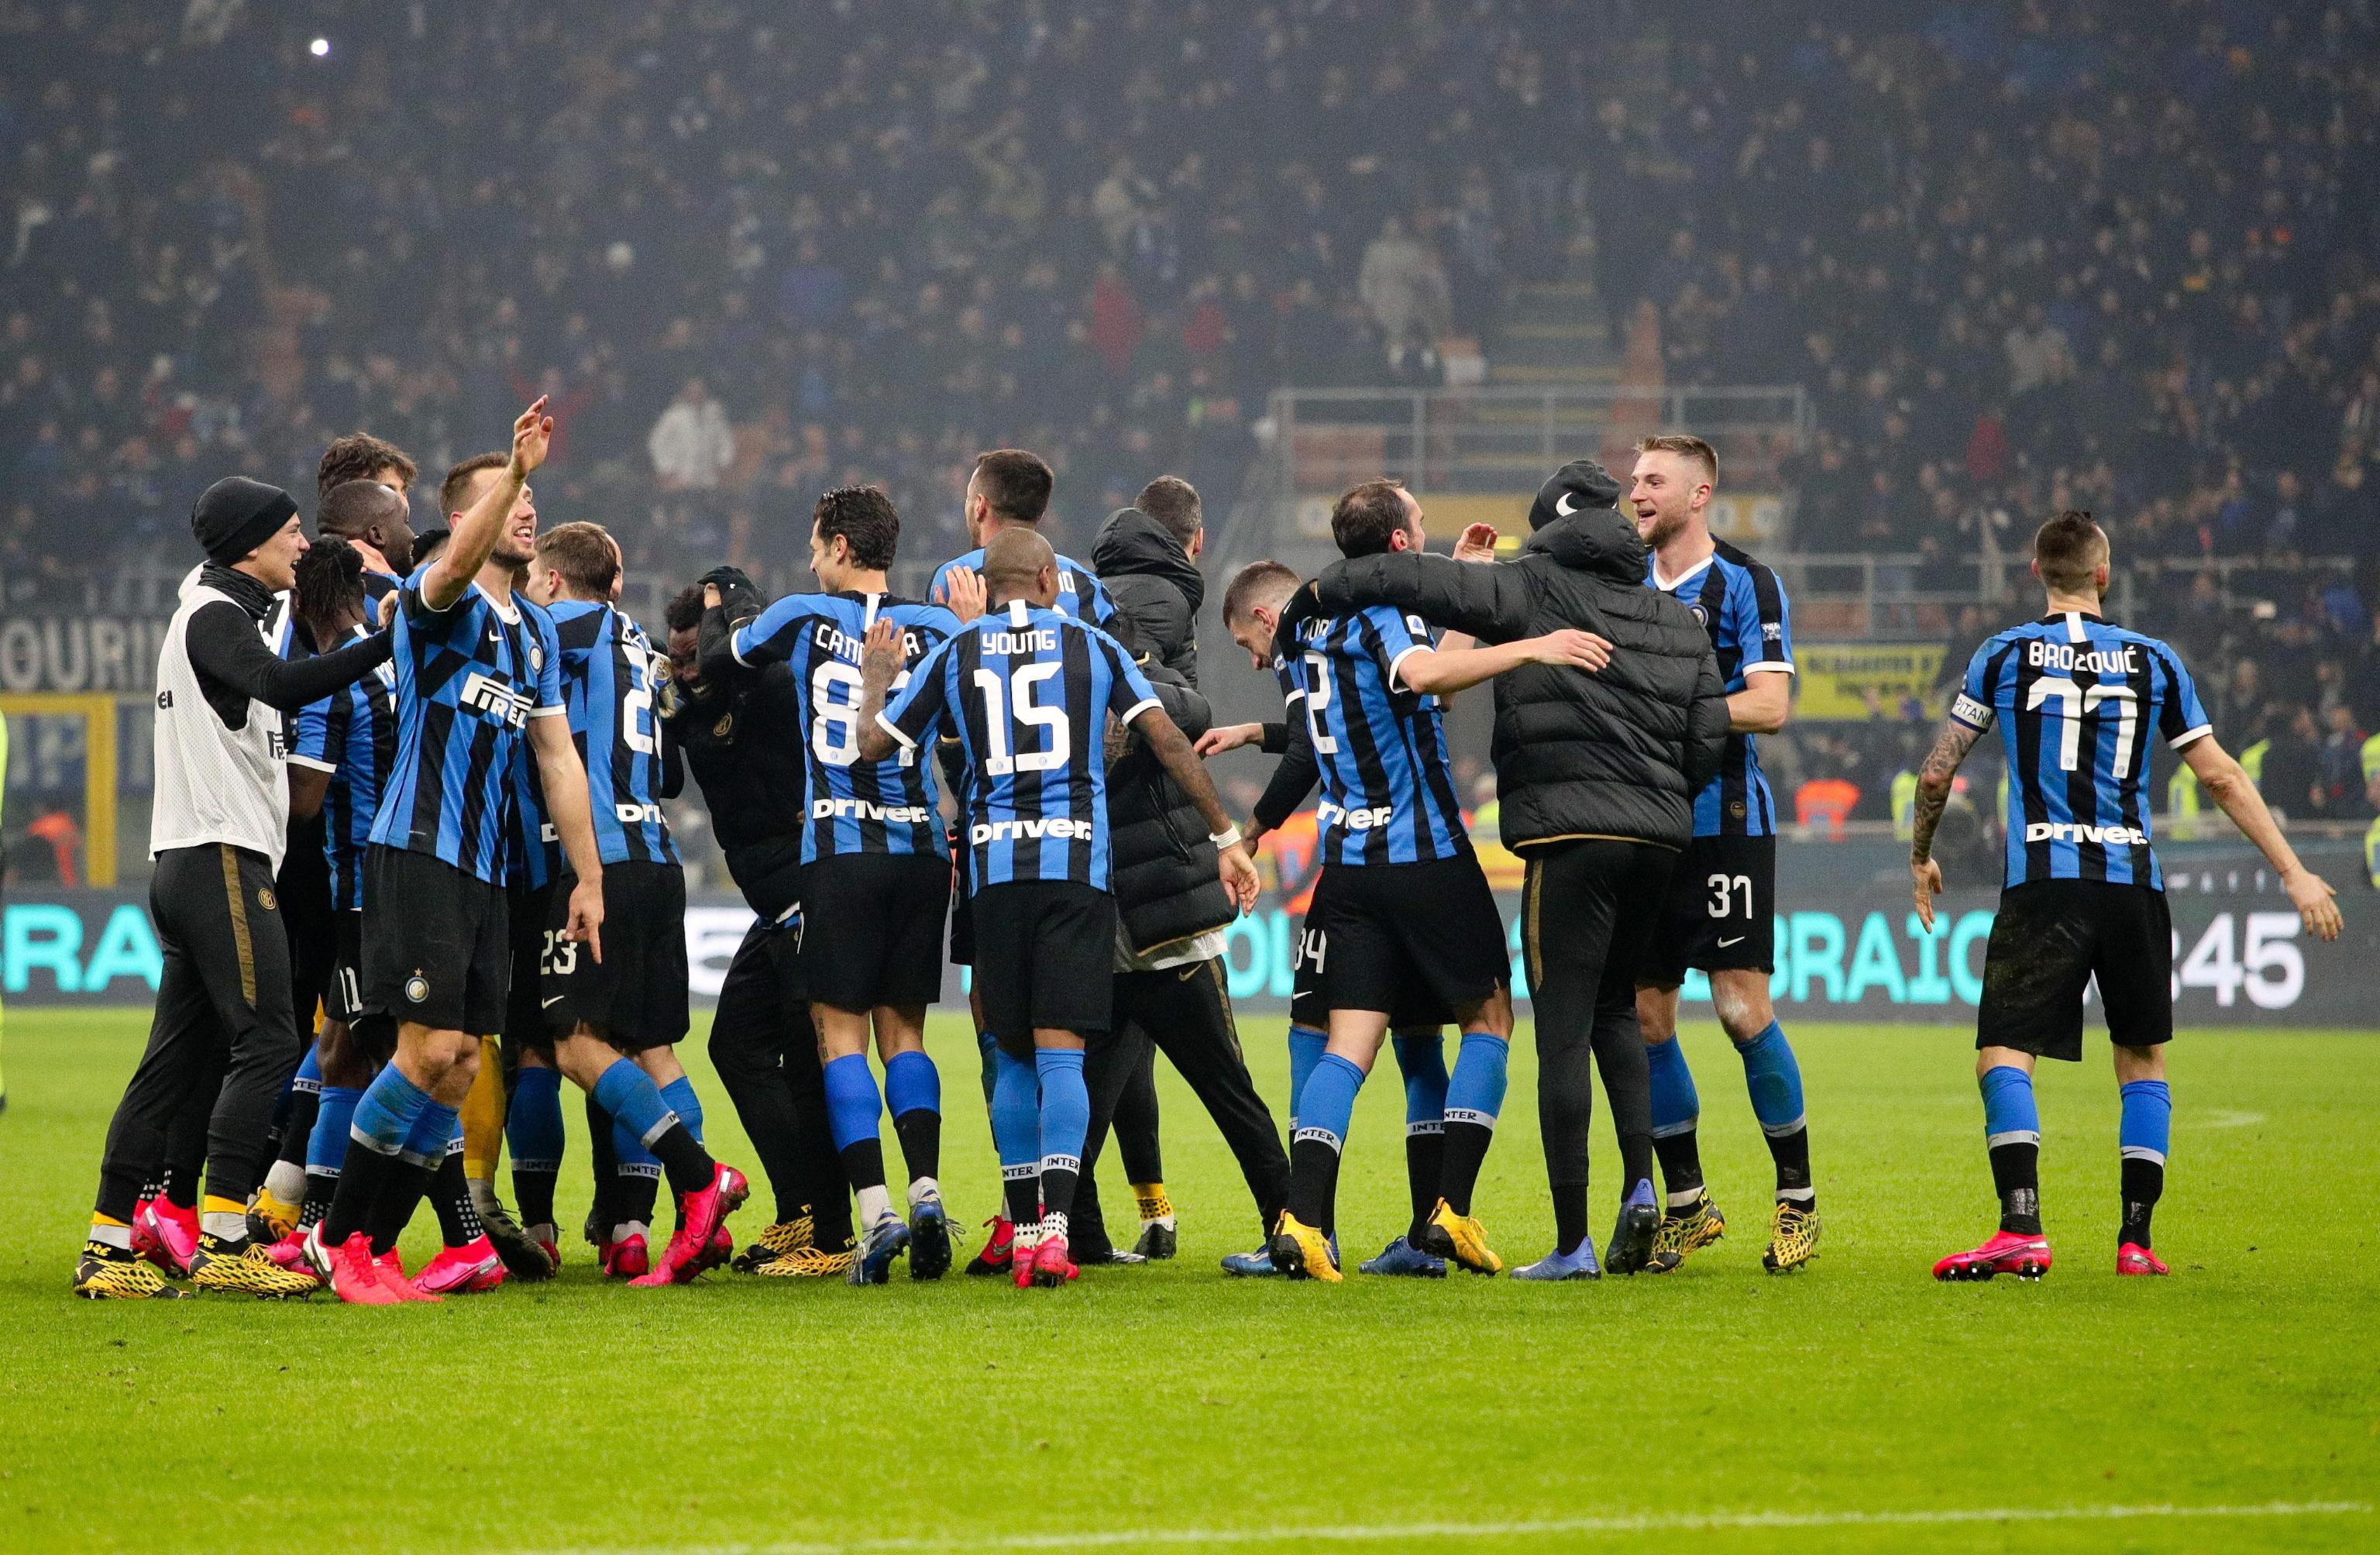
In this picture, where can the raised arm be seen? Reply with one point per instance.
(1443, 671)
(2226, 783)
(1489, 601)
(476, 532)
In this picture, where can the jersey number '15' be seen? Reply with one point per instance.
(2076, 703)
(834, 727)
(1002, 736)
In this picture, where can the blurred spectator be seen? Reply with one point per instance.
(691, 444)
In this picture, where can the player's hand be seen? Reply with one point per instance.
(711, 595)
(1230, 736)
(585, 926)
(963, 593)
(880, 653)
(1239, 875)
(1477, 544)
(1925, 880)
(532, 436)
(2313, 899)
(1585, 650)
(388, 609)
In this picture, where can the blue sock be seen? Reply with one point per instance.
(1305, 1046)
(634, 1102)
(1065, 1120)
(326, 1148)
(679, 1098)
(1016, 1136)
(1676, 1108)
(1476, 1094)
(385, 1114)
(1329, 1101)
(438, 1127)
(987, 1049)
(533, 1122)
(2147, 1125)
(310, 1072)
(911, 1084)
(852, 1104)
(630, 1159)
(2009, 1115)
(1774, 1078)
(1422, 1061)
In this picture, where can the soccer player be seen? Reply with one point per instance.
(1721, 910)
(633, 1002)
(1026, 692)
(1402, 909)
(220, 821)
(873, 860)
(2078, 700)
(743, 740)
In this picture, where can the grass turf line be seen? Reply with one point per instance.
(1170, 1403)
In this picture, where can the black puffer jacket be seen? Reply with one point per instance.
(1165, 874)
(1618, 753)
(1155, 586)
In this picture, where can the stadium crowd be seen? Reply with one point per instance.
(2092, 254)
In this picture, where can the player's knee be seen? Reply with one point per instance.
(2139, 1063)
(1741, 1004)
(1657, 1013)
(1494, 1016)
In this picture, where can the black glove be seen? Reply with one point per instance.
(738, 595)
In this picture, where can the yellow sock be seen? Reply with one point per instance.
(1154, 1205)
(215, 1205)
(99, 1219)
(483, 1115)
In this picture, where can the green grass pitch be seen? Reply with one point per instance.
(1857, 1406)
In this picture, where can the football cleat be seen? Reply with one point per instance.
(781, 1239)
(700, 1215)
(523, 1254)
(246, 1269)
(1250, 1266)
(167, 1235)
(2133, 1259)
(1158, 1240)
(1630, 1247)
(628, 1258)
(1051, 1266)
(465, 1271)
(1159, 1236)
(1577, 1265)
(290, 1251)
(1302, 1252)
(809, 1263)
(105, 1273)
(879, 1246)
(1461, 1238)
(391, 1269)
(1401, 1257)
(998, 1251)
(347, 1269)
(1793, 1238)
(270, 1219)
(549, 1238)
(1114, 1257)
(930, 1240)
(1683, 1232)
(2008, 1252)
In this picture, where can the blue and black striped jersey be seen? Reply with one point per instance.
(468, 679)
(1026, 692)
(1388, 790)
(1743, 607)
(351, 734)
(853, 806)
(611, 677)
(281, 625)
(532, 848)
(2073, 696)
(1080, 592)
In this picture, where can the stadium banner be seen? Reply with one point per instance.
(1844, 951)
(78, 653)
(1863, 682)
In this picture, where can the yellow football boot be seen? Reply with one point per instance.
(1301, 1251)
(1793, 1238)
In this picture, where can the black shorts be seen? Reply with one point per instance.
(437, 949)
(1309, 997)
(303, 887)
(1410, 938)
(342, 991)
(524, 1007)
(2050, 938)
(872, 928)
(962, 918)
(1045, 958)
(635, 997)
(1720, 913)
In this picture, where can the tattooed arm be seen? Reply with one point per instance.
(1934, 781)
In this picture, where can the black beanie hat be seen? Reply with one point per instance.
(1580, 483)
(235, 515)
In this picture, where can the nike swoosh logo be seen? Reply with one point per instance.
(1565, 506)
(550, 1003)
(1737, 941)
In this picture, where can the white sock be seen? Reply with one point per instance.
(627, 1229)
(483, 1196)
(286, 1182)
(922, 1189)
(875, 1204)
(113, 1236)
(227, 1226)
(1052, 1224)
